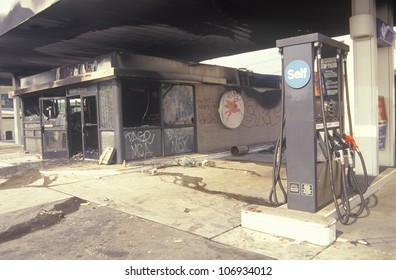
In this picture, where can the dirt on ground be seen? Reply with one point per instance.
(76, 229)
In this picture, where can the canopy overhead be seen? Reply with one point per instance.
(38, 35)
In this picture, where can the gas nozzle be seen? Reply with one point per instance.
(341, 140)
(335, 144)
(351, 140)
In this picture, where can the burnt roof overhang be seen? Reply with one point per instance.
(38, 35)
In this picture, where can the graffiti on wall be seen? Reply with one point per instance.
(140, 144)
(179, 140)
(207, 111)
(258, 116)
(178, 104)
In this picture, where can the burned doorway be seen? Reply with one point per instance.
(75, 130)
(90, 127)
(54, 127)
(83, 126)
(158, 119)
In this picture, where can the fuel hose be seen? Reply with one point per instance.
(344, 218)
(277, 162)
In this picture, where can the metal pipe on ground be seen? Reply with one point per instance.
(239, 150)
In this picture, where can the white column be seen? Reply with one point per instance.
(1, 118)
(17, 115)
(365, 82)
(386, 85)
(3, 90)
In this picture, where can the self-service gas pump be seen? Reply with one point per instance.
(320, 157)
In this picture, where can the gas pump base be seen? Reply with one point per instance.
(317, 228)
(303, 226)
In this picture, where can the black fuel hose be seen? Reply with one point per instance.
(355, 187)
(276, 179)
(277, 162)
(344, 218)
(366, 184)
(344, 195)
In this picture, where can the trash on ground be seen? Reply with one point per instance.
(44, 212)
(187, 162)
(85, 203)
(209, 163)
(78, 156)
(361, 242)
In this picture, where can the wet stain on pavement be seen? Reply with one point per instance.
(26, 179)
(24, 174)
(48, 180)
(44, 219)
(197, 183)
(242, 170)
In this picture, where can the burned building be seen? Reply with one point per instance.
(146, 107)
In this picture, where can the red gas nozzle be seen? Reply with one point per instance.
(351, 140)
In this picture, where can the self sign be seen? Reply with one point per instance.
(297, 74)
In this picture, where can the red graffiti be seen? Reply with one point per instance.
(257, 116)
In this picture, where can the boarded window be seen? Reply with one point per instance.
(106, 105)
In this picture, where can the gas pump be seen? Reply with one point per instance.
(320, 157)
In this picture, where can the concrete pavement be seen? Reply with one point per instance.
(205, 201)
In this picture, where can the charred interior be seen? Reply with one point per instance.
(145, 107)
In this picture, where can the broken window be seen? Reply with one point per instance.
(54, 112)
(31, 109)
(178, 104)
(140, 103)
(178, 117)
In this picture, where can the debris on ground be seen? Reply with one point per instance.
(151, 171)
(85, 203)
(361, 242)
(107, 156)
(44, 212)
(209, 163)
(78, 156)
(186, 162)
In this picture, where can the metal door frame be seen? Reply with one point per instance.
(50, 126)
(83, 125)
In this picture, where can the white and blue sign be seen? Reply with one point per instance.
(297, 74)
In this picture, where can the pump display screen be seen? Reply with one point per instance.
(329, 71)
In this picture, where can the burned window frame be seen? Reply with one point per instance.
(146, 93)
(31, 109)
